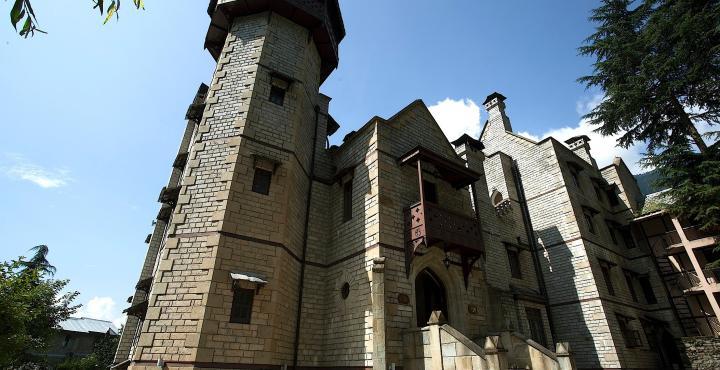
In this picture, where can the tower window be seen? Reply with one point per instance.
(430, 192)
(278, 88)
(514, 260)
(277, 95)
(241, 310)
(347, 200)
(261, 181)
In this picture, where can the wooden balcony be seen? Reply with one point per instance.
(429, 225)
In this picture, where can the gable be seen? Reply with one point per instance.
(415, 126)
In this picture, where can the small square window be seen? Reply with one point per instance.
(241, 310)
(514, 260)
(277, 95)
(430, 192)
(347, 200)
(261, 181)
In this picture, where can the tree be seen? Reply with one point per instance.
(31, 307)
(39, 261)
(22, 11)
(658, 62)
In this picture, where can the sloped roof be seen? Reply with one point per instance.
(86, 325)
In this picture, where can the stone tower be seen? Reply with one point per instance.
(229, 259)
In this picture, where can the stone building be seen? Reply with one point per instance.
(396, 249)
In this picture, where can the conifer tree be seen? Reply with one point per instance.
(658, 62)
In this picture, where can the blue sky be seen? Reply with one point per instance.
(92, 114)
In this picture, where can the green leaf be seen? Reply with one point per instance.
(16, 13)
(110, 12)
(140, 4)
(26, 27)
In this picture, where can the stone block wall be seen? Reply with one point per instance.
(700, 353)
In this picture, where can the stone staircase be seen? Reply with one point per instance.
(439, 346)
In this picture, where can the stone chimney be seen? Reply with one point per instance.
(495, 105)
(580, 145)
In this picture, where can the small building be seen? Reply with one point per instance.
(77, 337)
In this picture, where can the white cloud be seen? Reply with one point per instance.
(22, 169)
(457, 117)
(102, 308)
(603, 148)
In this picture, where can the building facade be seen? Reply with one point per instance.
(76, 338)
(396, 249)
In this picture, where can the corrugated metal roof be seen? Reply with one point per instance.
(86, 325)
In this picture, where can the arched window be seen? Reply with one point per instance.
(496, 198)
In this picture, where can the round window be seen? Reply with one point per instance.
(345, 290)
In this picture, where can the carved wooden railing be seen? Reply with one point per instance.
(430, 225)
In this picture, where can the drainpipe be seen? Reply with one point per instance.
(301, 285)
(533, 243)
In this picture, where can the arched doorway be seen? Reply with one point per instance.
(430, 296)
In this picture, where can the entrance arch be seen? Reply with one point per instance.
(430, 295)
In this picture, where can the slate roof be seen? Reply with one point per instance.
(86, 325)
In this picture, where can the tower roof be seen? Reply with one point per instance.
(321, 17)
(494, 95)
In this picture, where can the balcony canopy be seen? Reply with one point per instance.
(456, 174)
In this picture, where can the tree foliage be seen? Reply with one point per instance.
(658, 62)
(22, 14)
(101, 358)
(31, 307)
(39, 261)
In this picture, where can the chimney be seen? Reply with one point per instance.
(580, 145)
(495, 105)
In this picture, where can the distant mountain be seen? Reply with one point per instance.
(646, 182)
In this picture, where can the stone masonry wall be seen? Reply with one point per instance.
(700, 353)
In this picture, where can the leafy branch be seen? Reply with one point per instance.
(22, 9)
(23, 13)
